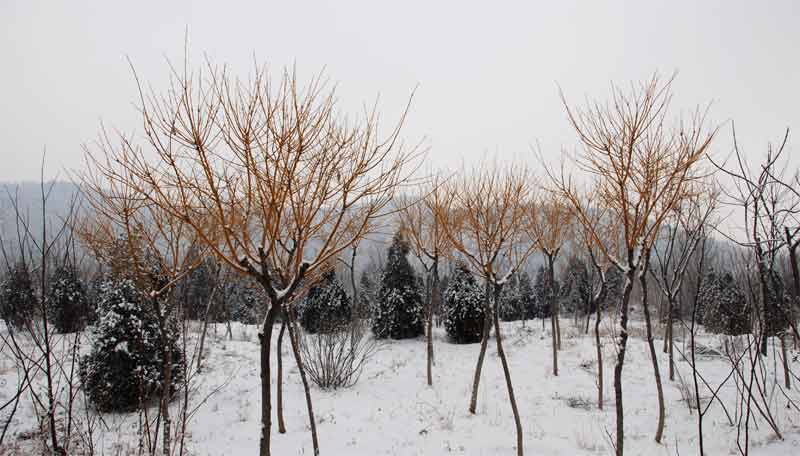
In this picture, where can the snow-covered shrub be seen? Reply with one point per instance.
(778, 310)
(463, 307)
(542, 291)
(397, 312)
(511, 303)
(326, 307)
(124, 367)
(725, 308)
(17, 299)
(576, 289)
(245, 301)
(615, 281)
(67, 304)
(366, 295)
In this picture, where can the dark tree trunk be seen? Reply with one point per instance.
(506, 370)
(281, 423)
(299, 360)
(623, 343)
(651, 346)
(265, 340)
(473, 401)
(433, 300)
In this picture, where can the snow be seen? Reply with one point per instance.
(391, 411)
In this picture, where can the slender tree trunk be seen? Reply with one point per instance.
(432, 300)
(473, 401)
(506, 371)
(207, 317)
(599, 357)
(265, 339)
(556, 334)
(786, 378)
(281, 423)
(651, 346)
(671, 341)
(165, 395)
(299, 360)
(622, 346)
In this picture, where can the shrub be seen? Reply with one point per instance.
(463, 307)
(17, 299)
(124, 367)
(725, 308)
(397, 312)
(336, 357)
(326, 307)
(67, 302)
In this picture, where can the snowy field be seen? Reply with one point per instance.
(391, 411)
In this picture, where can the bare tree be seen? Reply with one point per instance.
(552, 226)
(268, 175)
(429, 244)
(486, 222)
(640, 169)
(680, 237)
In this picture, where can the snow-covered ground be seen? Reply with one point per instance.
(391, 411)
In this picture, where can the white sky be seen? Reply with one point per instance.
(487, 71)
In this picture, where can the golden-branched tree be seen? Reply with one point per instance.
(485, 221)
(640, 167)
(552, 225)
(430, 245)
(269, 175)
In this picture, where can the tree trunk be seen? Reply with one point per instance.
(506, 371)
(207, 316)
(296, 350)
(165, 395)
(265, 340)
(432, 301)
(599, 357)
(653, 357)
(623, 343)
(556, 336)
(786, 378)
(473, 401)
(671, 342)
(281, 423)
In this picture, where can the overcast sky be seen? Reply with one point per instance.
(487, 71)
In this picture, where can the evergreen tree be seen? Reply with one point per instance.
(576, 290)
(511, 304)
(326, 307)
(398, 312)
(197, 287)
(526, 295)
(18, 301)
(124, 367)
(67, 302)
(245, 300)
(777, 308)
(366, 294)
(615, 281)
(463, 307)
(724, 304)
(542, 289)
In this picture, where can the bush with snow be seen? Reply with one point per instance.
(124, 367)
(463, 307)
(17, 299)
(725, 308)
(67, 302)
(326, 307)
(397, 311)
